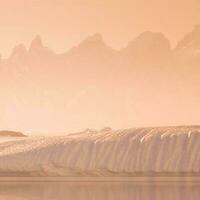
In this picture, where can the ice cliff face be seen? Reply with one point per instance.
(105, 153)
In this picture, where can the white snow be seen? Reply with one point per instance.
(105, 153)
(9, 138)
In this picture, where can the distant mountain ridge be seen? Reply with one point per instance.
(94, 81)
(148, 39)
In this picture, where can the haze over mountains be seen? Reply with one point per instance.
(147, 83)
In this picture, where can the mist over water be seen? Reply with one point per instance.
(99, 191)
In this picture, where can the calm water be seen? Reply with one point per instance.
(99, 191)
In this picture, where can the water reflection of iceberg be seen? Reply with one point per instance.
(99, 191)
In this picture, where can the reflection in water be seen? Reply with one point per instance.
(99, 191)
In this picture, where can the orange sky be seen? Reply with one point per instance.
(64, 23)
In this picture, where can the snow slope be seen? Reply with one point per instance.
(105, 153)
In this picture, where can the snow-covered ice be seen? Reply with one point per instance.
(105, 153)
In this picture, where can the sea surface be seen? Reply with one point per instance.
(99, 191)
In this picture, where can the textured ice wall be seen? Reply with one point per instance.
(105, 153)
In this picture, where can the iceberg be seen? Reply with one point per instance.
(129, 152)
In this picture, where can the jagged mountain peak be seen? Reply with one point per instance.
(95, 40)
(191, 40)
(197, 28)
(91, 45)
(148, 47)
(150, 40)
(36, 43)
(37, 48)
(97, 37)
(19, 51)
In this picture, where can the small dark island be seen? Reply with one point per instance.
(6, 133)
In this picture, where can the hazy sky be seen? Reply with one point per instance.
(64, 23)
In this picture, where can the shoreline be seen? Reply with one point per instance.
(104, 179)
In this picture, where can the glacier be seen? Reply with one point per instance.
(128, 152)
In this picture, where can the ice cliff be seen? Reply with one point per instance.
(128, 152)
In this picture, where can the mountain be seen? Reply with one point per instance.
(37, 49)
(19, 53)
(94, 85)
(36, 44)
(148, 48)
(186, 58)
(191, 40)
(92, 44)
(188, 49)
